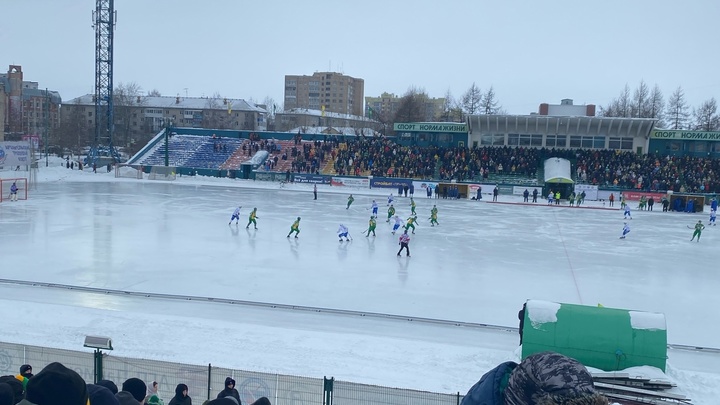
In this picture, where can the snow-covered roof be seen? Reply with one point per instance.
(192, 103)
(319, 113)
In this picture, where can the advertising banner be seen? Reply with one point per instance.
(591, 191)
(388, 182)
(14, 154)
(631, 195)
(519, 190)
(311, 178)
(361, 182)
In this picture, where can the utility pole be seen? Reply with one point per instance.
(46, 133)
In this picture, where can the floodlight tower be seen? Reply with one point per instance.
(104, 18)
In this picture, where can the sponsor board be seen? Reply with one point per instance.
(591, 191)
(387, 182)
(631, 195)
(14, 154)
(311, 178)
(519, 190)
(362, 182)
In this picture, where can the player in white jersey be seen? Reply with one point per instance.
(390, 199)
(343, 232)
(235, 215)
(374, 208)
(626, 230)
(627, 212)
(398, 223)
(713, 214)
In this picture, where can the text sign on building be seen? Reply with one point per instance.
(430, 127)
(681, 135)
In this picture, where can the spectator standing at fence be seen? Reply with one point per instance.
(496, 191)
(412, 190)
(230, 390)
(526, 195)
(181, 396)
(428, 189)
(437, 191)
(650, 202)
(611, 199)
(314, 191)
(535, 194)
(405, 189)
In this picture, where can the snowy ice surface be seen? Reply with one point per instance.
(647, 320)
(479, 265)
(540, 312)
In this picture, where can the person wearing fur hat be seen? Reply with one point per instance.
(230, 391)
(56, 385)
(545, 378)
(181, 396)
(133, 392)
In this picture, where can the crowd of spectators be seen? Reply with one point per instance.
(58, 385)
(382, 157)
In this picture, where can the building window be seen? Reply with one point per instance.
(492, 139)
(587, 142)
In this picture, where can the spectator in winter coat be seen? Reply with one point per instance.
(7, 395)
(542, 378)
(181, 396)
(132, 393)
(230, 390)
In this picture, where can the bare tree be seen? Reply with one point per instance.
(489, 104)
(74, 131)
(451, 109)
(154, 93)
(412, 106)
(706, 116)
(218, 112)
(471, 100)
(640, 103)
(677, 110)
(127, 98)
(656, 105)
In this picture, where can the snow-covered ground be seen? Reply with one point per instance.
(479, 265)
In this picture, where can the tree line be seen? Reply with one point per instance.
(675, 113)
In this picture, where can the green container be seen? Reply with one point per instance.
(605, 338)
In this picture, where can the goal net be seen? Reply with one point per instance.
(162, 173)
(128, 171)
(6, 187)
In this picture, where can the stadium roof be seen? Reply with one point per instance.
(545, 124)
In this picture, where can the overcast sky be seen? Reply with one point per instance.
(530, 51)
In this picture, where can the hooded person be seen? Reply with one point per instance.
(56, 385)
(152, 389)
(133, 392)
(15, 385)
(7, 394)
(181, 396)
(545, 378)
(230, 390)
(109, 385)
(99, 395)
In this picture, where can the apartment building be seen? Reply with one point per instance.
(325, 91)
(141, 116)
(383, 108)
(27, 110)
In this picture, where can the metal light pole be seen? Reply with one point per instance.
(47, 128)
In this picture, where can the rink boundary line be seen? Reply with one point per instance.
(379, 315)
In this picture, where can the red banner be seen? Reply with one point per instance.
(635, 195)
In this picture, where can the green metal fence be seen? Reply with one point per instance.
(205, 381)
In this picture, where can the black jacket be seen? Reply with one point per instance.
(179, 399)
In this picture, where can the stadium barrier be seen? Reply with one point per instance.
(206, 381)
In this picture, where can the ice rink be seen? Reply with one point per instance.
(479, 265)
